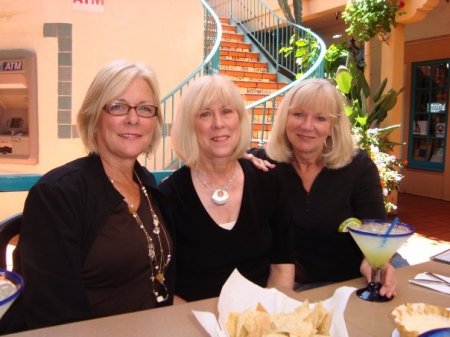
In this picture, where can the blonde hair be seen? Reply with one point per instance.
(321, 94)
(201, 93)
(110, 82)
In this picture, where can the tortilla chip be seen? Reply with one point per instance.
(260, 307)
(304, 321)
(231, 324)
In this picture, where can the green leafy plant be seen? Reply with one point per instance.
(369, 18)
(335, 56)
(389, 167)
(367, 109)
(366, 112)
(305, 50)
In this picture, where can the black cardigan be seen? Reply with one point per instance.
(62, 216)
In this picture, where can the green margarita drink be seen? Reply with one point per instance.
(378, 245)
(373, 243)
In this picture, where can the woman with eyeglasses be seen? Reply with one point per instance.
(95, 237)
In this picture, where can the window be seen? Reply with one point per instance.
(429, 115)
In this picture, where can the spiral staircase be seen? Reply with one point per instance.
(252, 75)
(242, 39)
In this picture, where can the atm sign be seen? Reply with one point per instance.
(11, 66)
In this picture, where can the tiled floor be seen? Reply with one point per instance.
(431, 219)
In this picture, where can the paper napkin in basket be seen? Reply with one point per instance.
(443, 288)
(239, 294)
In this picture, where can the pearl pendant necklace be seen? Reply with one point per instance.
(219, 195)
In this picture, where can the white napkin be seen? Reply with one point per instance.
(435, 286)
(239, 294)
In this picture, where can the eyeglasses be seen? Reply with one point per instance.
(121, 109)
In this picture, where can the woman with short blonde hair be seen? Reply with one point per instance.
(327, 180)
(322, 95)
(202, 92)
(228, 213)
(110, 83)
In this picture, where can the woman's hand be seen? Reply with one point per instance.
(389, 282)
(263, 165)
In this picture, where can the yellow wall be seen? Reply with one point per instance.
(311, 8)
(168, 35)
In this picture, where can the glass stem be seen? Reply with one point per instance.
(376, 275)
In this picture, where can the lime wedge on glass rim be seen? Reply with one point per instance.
(349, 222)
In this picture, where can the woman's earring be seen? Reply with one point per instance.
(327, 142)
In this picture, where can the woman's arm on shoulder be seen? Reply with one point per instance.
(259, 158)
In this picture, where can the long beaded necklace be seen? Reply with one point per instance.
(219, 195)
(157, 267)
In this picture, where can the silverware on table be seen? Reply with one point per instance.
(437, 277)
(425, 280)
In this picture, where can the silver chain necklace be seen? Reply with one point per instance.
(219, 195)
(158, 267)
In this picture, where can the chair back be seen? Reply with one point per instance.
(9, 228)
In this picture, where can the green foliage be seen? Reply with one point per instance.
(366, 112)
(372, 141)
(305, 50)
(335, 55)
(369, 18)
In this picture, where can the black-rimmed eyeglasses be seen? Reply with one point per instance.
(121, 109)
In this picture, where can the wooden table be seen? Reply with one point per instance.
(362, 318)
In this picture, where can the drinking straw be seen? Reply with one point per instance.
(393, 223)
(391, 226)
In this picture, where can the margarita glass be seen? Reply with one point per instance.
(11, 284)
(378, 248)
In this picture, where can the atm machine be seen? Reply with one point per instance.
(16, 131)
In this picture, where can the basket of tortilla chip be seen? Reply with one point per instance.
(247, 310)
(303, 321)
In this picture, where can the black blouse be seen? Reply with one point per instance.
(116, 272)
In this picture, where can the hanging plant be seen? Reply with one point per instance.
(369, 18)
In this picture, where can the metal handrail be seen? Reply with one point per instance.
(164, 158)
(270, 32)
